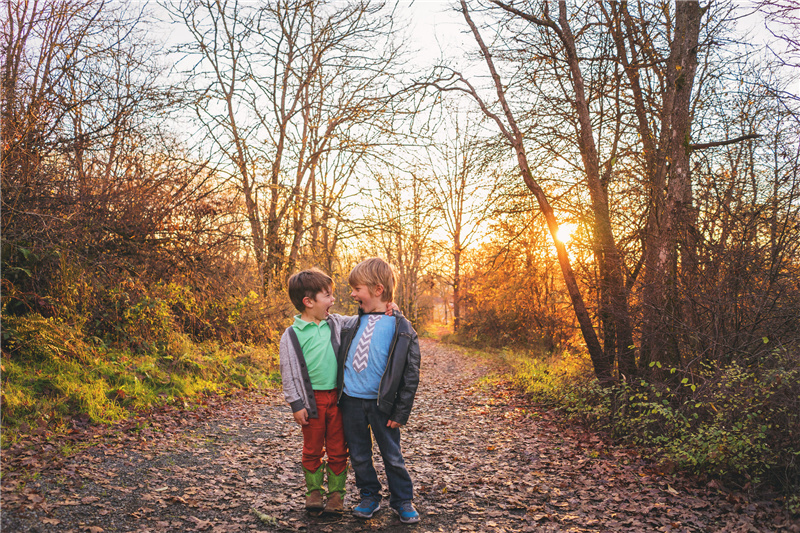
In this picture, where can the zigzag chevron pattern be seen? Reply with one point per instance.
(361, 356)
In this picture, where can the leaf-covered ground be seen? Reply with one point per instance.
(481, 459)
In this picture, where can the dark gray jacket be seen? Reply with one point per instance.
(400, 379)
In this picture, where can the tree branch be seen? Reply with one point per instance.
(515, 135)
(530, 18)
(703, 146)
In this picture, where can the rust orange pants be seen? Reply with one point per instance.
(325, 434)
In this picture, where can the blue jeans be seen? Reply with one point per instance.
(359, 416)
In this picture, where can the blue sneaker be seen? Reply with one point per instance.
(367, 507)
(407, 513)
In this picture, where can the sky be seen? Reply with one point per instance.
(436, 29)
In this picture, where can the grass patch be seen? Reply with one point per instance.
(52, 374)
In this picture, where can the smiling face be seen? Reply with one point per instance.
(369, 300)
(317, 308)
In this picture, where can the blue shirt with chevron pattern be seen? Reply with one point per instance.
(365, 384)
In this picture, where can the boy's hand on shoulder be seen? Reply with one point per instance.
(390, 308)
(392, 424)
(301, 417)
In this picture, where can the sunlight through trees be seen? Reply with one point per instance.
(619, 179)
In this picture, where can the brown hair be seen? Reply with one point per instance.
(373, 272)
(308, 283)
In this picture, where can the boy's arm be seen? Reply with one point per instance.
(342, 320)
(301, 417)
(333, 317)
(408, 388)
(288, 375)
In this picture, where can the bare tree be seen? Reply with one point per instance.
(782, 20)
(516, 293)
(293, 84)
(463, 187)
(399, 227)
(506, 121)
(92, 184)
(614, 86)
(72, 77)
(736, 291)
(79, 94)
(667, 158)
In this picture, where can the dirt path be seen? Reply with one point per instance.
(481, 460)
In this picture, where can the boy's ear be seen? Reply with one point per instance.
(308, 302)
(378, 290)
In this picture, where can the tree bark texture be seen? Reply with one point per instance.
(671, 193)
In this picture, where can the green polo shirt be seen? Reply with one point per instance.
(315, 341)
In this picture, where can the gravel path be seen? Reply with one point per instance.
(481, 459)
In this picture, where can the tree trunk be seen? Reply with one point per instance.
(669, 216)
(612, 278)
(457, 289)
(603, 367)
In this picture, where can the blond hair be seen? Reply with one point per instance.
(373, 272)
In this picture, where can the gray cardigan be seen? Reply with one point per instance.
(296, 385)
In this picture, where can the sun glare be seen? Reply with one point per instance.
(565, 232)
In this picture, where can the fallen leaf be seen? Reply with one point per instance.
(201, 524)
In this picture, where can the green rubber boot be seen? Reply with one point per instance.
(336, 483)
(314, 489)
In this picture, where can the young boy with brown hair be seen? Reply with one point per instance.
(378, 374)
(309, 371)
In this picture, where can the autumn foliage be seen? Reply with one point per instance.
(515, 293)
(152, 208)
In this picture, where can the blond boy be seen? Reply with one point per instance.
(378, 374)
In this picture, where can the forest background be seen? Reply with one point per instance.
(605, 196)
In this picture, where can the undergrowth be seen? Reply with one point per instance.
(85, 340)
(52, 372)
(735, 422)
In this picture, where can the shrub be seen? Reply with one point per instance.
(738, 422)
(149, 321)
